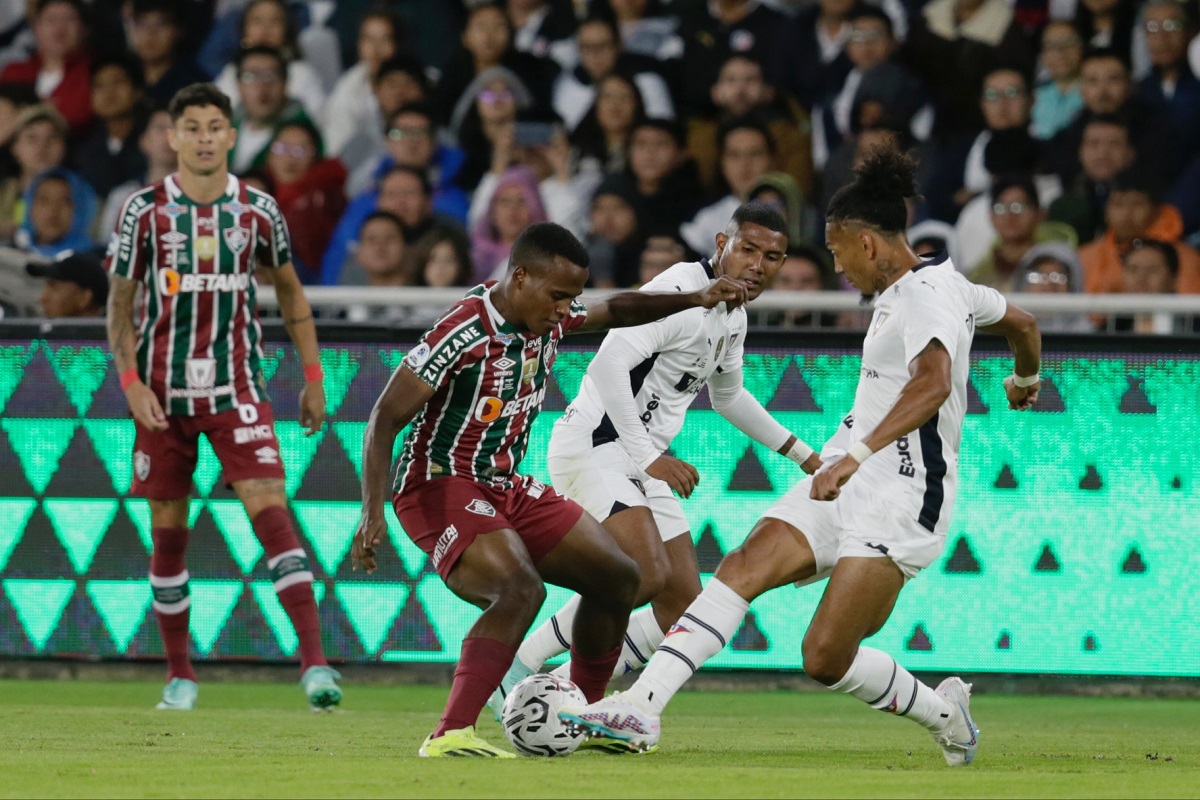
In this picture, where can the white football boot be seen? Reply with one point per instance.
(616, 717)
(960, 739)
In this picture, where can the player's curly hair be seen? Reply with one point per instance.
(875, 198)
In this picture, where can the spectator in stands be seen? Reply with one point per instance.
(1107, 89)
(155, 36)
(882, 132)
(953, 45)
(265, 23)
(960, 173)
(660, 254)
(1150, 267)
(378, 258)
(440, 258)
(647, 30)
(61, 210)
(780, 192)
(38, 144)
(399, 81)
(665, 183)
(1053, 268)
(714, 31)
(602, 137)
(805, 268)
(109, 154)
(1186, 197)
(160, 160)
(613, 241)
(1171, 89)
(412, 142)
(741, 90)
(352, 105)
(76, 286)
(1020, 224)
(487, 114)
(599, 56)
(1058, 100)
(543, 28)
(309, 190)
(1135, 211)
(810, 55)
(932, 236)
(1104, 152)
(263, 107)
(747, 153)
(487, 44)
(14, 98)
(58, 68)
(1108, 24)
(870, 46)
(513, 207)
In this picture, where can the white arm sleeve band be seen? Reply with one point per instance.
(731, 400)
(609, 372)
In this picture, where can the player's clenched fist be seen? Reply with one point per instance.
(371, 530)
(828, 482)
(145, 407)
(1021, 398)
(681, 476)
(723, 290)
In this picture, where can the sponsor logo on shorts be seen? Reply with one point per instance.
(267, 455)
(141, 465)
(417, 357)
(906, 459)
(448, 537)
(638, 484)
(481, 507)
(535, 489)
(253, 433)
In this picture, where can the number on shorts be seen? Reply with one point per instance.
(248, 414)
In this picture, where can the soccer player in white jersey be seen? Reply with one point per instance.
(877, 512)
(608, 451)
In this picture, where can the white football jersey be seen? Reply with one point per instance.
(680, 353)
(933, 301)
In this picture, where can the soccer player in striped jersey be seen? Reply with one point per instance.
(183, 327)
(609, 450)
(472, 388)
(877, 512)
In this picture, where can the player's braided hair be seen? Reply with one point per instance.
(875, 198)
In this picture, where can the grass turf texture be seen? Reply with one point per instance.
(86, 739)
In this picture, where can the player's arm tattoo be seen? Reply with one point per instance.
(122, 337)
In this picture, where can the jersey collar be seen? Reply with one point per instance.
(932, 260)
(708, 268)
(175, 194)
(498, 323)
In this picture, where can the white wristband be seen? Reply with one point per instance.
(860, 452)
(799, 452)
(1026, 382)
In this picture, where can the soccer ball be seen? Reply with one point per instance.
(530, 716)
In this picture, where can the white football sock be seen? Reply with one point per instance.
(877, 680)
(552, 638)
(642, 638)
(704, 629)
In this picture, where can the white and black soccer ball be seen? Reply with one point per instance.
(530, 717)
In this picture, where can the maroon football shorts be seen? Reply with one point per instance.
(444, 515)
(243, 440)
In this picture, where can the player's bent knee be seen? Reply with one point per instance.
(826, 660)
(521, 596)
(618, 587)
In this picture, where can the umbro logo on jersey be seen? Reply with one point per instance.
(481, 507)
(267, 455)
(174, 237)
(504, 363)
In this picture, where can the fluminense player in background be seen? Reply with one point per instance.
(189, 355)
(472, 388)
(608, 451)
(877, 512)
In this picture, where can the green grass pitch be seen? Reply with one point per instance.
(102, 739)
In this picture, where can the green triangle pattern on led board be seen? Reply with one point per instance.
(139, 511)
(39, 605)
(235, 526)
(329, 526)
(297, 451)
(80, 525)
(351, 434)
(39, 444)
(212, 603)
(270, 362)
(208, 468)
(113, 441)
(122, 605)
(372, 609)
(12, 369)
(340, 367)
(80, 371)
(15, 512)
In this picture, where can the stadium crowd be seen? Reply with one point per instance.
(408, 142)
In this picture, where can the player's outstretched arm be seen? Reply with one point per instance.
(637, 308)
(1020, 328)
(403, 397)
(927, 388)
(123, 340)
(732, 401)
(298, 319)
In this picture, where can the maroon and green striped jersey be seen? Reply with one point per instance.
(489, 380)
(198, 339)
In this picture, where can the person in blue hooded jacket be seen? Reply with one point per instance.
(61, 208)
